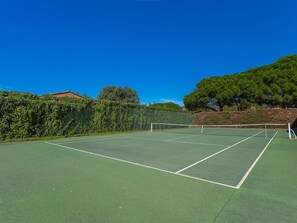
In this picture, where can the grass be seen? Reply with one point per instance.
(44, 183)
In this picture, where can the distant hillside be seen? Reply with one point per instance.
(274, 85)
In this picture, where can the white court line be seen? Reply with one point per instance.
(201, 179)
(131, 137)
(193, 143)
(100, 138)
(205, 132)
(254, 163)
(206, 158)
(91, 140)
(138, 164)
(196, 143)
(194, 135)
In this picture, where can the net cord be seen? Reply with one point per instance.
(238, 125)
(203, 126)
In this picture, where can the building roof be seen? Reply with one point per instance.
(67, 93)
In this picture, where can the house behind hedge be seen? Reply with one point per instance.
(67, 94)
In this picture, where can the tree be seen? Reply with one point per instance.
(167, 105)
(274, 85)
(121, 94)
(196, 100)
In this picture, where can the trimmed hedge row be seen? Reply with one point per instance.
(24, 115)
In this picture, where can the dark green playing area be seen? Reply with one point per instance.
(224, 175)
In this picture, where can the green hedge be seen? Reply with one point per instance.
(24, 115)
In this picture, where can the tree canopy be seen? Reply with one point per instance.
(167, 105)
(121, 94)
(274, 85)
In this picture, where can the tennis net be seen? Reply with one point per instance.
(266, 130)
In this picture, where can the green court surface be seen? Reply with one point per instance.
(163, 176)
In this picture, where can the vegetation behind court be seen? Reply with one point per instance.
(271, 86)
(24, 115)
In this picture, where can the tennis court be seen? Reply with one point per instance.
(172, 174)
(222, 155)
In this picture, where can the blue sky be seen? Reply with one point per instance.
(161, 48)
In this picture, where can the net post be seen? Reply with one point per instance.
(151, 127)
(201, 129)
(289, 130)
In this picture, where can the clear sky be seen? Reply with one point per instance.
(161, 48)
